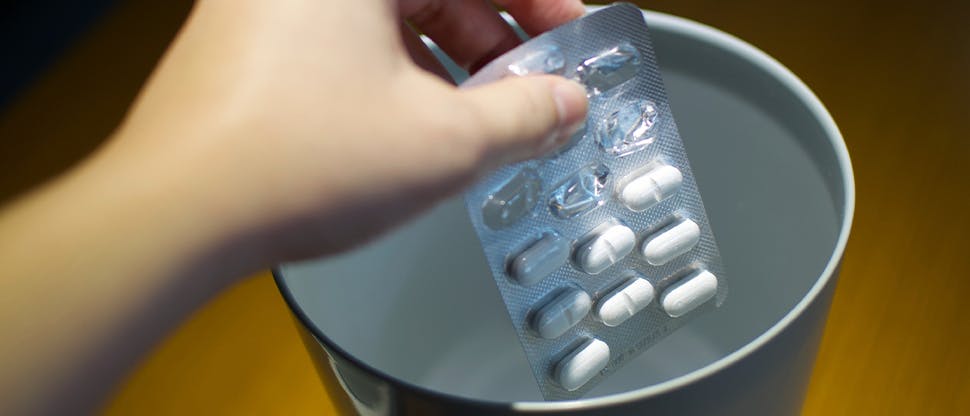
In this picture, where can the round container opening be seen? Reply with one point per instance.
(420, 305)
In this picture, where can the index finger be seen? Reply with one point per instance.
(537, 16)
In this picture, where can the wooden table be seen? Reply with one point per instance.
(895, 75)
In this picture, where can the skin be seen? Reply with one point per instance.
(270, 131)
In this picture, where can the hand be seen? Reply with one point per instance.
(316, 130)
(271, 130)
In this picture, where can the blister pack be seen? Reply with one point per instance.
(603, 248)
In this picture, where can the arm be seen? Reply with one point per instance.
(264, 135)
(97, 267)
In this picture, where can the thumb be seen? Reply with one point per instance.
(523, 117)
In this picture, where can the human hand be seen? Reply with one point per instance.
(271, 130)
(305, 127)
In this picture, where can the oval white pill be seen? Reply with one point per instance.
(607, 245)
(689, 293)
(561, 313)
(540, 259)
(624, 302)
(582, 364)
(670, 242)
(644, 190)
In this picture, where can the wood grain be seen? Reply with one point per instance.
(895, 76)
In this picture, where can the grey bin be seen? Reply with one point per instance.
(412, 323)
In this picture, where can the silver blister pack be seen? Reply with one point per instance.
(602, 248)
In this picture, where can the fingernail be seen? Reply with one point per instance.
(570, 130)
(579, 8)
(549, 143)
(560, 137)
(571, 102)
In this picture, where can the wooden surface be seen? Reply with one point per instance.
(895, 76)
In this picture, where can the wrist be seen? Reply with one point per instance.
(169, 218)
(106, 259)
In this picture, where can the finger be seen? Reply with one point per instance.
(523, 117)
(470, 31)
(421, 55)
(537, 16)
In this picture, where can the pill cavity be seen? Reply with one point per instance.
(565, 310)
(671, 241)
(607, 244)
(629, 129)
(645, 188)
(689, 293)
(582, 364)
(581, 192)
(609, 69)
(547, 59)
(540, 259)
(625, 301)
(513, 200)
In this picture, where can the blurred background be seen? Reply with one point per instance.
(895, 75)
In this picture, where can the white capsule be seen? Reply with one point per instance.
(689, 293)
(540, 259)
(643, 190)
(582, 364)
(670, 242)
(624, 302)
(607, 244)
(561, 313)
